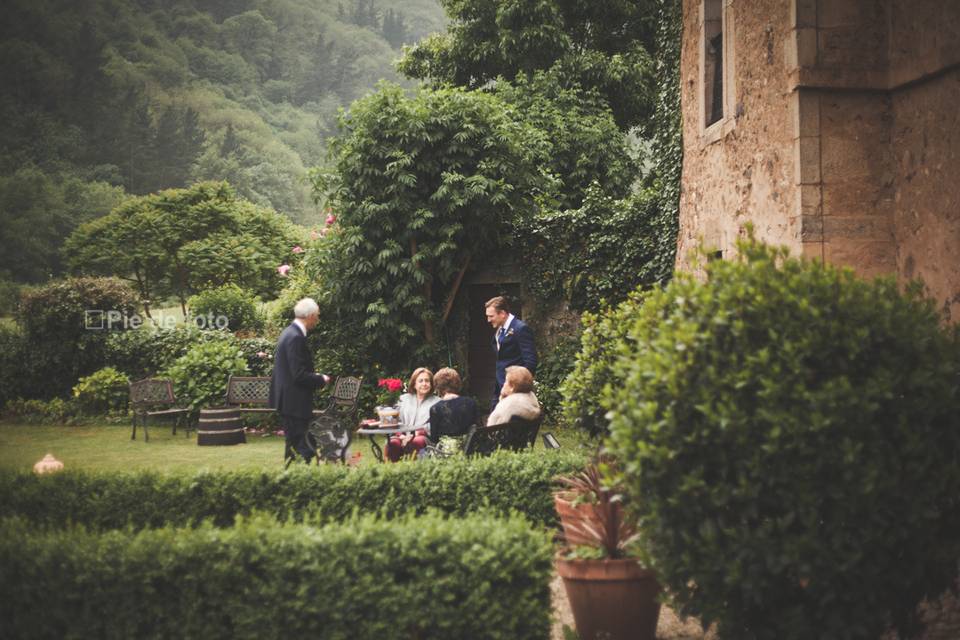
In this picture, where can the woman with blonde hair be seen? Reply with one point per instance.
(414, 412)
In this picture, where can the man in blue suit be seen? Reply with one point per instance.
(512, 341)
(294, 381)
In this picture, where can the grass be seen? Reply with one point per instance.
(109, 448)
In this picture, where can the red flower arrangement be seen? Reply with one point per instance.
(391, 384)
(390, 391)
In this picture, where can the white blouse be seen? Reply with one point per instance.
(416, 413)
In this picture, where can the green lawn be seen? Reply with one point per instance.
(109, 448)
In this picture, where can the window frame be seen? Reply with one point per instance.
(719, 129)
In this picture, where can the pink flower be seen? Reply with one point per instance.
(323, 231)
(331, 219)
(314, 235)
(298, 249)
(261, 354)
(283, 269)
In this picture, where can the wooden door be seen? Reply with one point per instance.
(481, 358)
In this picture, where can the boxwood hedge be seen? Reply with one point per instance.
(502, 482)
(427, 577)
(791, 435)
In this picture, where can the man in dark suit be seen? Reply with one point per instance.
(294, 381)
(513, 342)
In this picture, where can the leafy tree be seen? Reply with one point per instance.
(179, 140)
(138, 94)
(586, 147)
(600, 45)
(421, 185)
(394, 30)
(595, 254)
(180, 241)
(37, 210)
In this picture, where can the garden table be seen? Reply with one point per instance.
(373, 429)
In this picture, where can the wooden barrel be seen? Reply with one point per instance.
(220, 426)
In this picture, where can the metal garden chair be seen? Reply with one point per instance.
(154, 397)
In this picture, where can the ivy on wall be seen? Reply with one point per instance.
(668, 136)
(595, 255)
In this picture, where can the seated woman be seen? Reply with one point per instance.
(453, 415)
(516, 398)
(414, 412)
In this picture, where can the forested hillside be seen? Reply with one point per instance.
(103, 98)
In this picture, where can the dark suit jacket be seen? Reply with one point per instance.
(516, 348)
(294, 380)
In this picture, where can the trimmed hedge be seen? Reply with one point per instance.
(502, 482)
(789, 435)
(428, 577)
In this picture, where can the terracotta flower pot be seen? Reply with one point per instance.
(614, 599)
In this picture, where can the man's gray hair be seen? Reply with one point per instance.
(306, 308)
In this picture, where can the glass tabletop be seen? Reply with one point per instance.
(372, 429)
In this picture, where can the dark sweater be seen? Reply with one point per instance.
(452, 417)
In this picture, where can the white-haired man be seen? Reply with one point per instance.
(294, 381)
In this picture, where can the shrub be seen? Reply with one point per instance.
(53, 411)
(428, 577)
(503, 482)
(105, 391)
(200, 377)
(791, 435)
(146, 351)
(9, 296)
(13, 349)
(582, 390)
(259, 354)
(551, 372)
(61, 346)
(236, 306)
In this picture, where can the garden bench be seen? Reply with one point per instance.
(154, 397)
(244, 391)
(516, 435)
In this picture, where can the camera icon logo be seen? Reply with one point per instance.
(93, 319)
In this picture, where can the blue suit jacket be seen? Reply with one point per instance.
(294, 380)
(516, 348)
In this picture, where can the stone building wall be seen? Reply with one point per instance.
(843, 141)
(745, 171)
(926, 144)
(925, 71)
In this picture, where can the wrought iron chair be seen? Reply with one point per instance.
(516, 435)
(154, 397)
(250, 394)
(331, 429)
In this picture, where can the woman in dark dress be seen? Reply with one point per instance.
(453, 415)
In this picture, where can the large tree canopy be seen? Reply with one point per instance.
(421, 186)
(585, 146)
(600, 45)
(180, 241)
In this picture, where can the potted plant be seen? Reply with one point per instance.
(611, 593)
